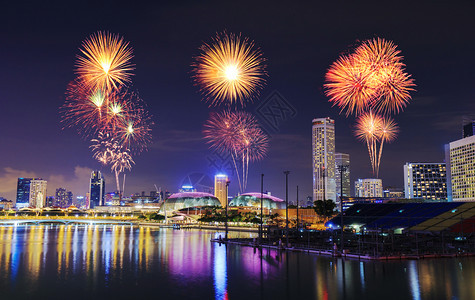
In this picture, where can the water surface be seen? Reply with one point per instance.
(125, 262)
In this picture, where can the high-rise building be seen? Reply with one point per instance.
(460, 161)
(49, 201)
(23, 192)
(342, 159)
(369, 187)
(323, 159)
(38, 193)
(469, 129)
(425, 181)
(220, 190)
(64, 198)
(97, 189)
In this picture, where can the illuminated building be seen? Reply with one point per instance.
(369, 187)
(323, 159)
(342, 159)
(220, 190)
(63, 198)
(23, 192)
(37, 193)
(253, 200)
(187, 189)
(49, 201)
(97, 187)
(460, 160)
(425, 180)
(188, 200)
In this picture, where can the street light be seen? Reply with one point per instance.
(286, 208)
(341, 169)
(297, 208)
(262, 201)
(227, 201)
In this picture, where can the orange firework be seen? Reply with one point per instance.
(105, 62)
(348, 85)
(374, 129)
(381, 58)
(368, 127)
(230, 70)
(239, 135)
(373, 77)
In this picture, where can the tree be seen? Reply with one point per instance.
(324, 208)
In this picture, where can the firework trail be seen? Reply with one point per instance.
(375, 130)
(240, 135)
(388, 132)
(367, 129)
(229, 70)
(104, 63)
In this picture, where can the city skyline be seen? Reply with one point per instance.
(39, 55)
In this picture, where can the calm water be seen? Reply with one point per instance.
(123, 262)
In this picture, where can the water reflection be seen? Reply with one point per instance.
(117, 262)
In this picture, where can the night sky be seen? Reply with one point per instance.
(39, 43)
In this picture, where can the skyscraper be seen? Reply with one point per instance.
(220, 190)
(425, 181)
(97, 188)
(460, 160)
(64, 198)
(23, 192)
(323, 159)
(469, 129)
(342, 159)
(369, 187)
(38, 193)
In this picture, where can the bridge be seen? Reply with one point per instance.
(64, 222)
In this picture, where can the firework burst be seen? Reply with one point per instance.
(230, 69)
(373, 77)
(239, 135)
(105, 62)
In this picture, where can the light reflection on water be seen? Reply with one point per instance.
(124, 262)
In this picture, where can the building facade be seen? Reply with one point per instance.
(460, 160)
(369, 187)
(425, 181)
(220, 189)
(64, 198)
(97, 189)
(38, 193)
(323, 159)
(342, 161)
(23, 192)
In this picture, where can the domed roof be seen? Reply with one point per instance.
(190, 195)
(264, 196)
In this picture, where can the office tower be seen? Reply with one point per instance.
(469, 129)
(460, 161)
(38, 193)
(342, 159)
(369, 187)
(64, 198)
(23, 192)
(49, 201)
(425, 181)
(220, 190)
(97, 188)
(323, 159)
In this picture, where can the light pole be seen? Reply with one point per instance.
(227, 201)
(297, 208)
(262, 202)
(286, 208)
(341, 169)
